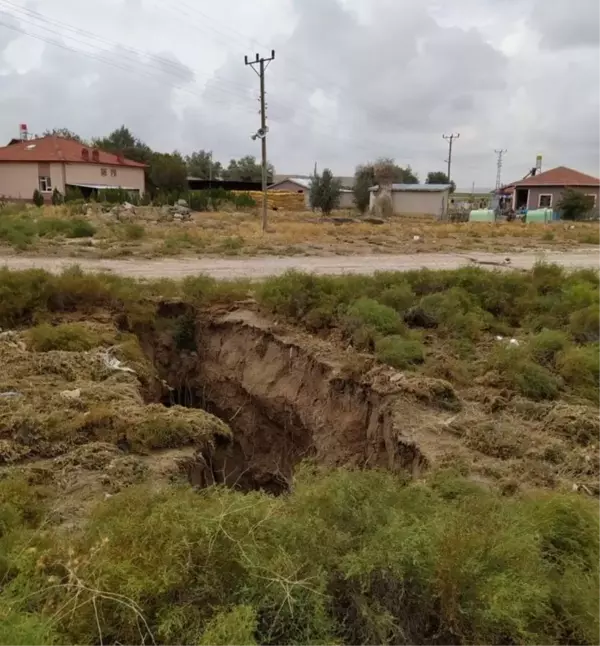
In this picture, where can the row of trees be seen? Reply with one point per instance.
(168, 172)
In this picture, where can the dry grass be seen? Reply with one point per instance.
(292, 233)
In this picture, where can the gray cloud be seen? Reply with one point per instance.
(564, 24)
(350, 81)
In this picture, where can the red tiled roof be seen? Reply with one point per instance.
(559, 176)
(57, 149)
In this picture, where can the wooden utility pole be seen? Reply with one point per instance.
(261, 133)
(450, 139)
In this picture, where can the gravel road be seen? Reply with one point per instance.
(259, 267)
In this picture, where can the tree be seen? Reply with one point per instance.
(38, 198)
(575, 205)
(247, 169)
(200, 164)
(364, 178)
(57, 197)
(65, 133)
(439, 177)
(167, 173)
(122, 141)
(325, 191)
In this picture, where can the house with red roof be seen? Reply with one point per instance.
(544, 190)
(53, 162)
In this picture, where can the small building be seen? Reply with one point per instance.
(53, 162)
(302, 185)
(544, 190)
(416, 199)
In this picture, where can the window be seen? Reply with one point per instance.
(103, 172)
(113, 172)
(545, 201)
(593, 196)
(45, 185)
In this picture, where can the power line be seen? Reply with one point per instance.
(261, 133)
(450, 139)
(499, 167)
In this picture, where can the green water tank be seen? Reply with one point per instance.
(539, 215)
(482, 215)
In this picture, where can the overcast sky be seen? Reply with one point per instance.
(352, 79)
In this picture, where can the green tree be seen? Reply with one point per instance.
(122, 141)
(575, 205)
(200, 164)
(364, 178)
(167, 173)
(247, 169)
(38, 198)
(57, 197)
(65, 133)
(439, 177)
(325, 191)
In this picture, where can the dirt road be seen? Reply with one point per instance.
(260, 267)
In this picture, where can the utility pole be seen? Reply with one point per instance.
(261, 133)
(450, 139)
(499, 167)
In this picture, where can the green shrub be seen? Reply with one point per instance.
(244, 201)
(580, 368)
(545, 346)
(584, 324)
(383, 319)
(115, 195)
(57, 197)
(400, 297)
(38, 198)
(399, 352)
(349, 557)
(73, 337)
(18, 232)
(199, 200)
(518, 372)
(73, 194)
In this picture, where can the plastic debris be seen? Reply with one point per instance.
(514, 342)
(11, 393)
(112, 363)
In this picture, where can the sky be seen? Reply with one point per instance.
(352, 80)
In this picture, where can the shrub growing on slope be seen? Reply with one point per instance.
(349, 557)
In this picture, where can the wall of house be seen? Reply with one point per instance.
(418, 202)
(557, 192)
(57, 177)
(126, 177)
(346, 200)
(18, 180)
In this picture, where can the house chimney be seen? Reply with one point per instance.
(23, 134)
(120, 158)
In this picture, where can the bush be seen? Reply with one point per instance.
(399, 352)
(244, 201)
(584, 324)
(72, 337)
(38, 198)
(383, 319)
(115, 196)
(325, 192)
(545, 346)
(575, 205)
(198, 200)
(451, 563)
(580, 368)
(57, 197)
(133, 231)
(73, 194)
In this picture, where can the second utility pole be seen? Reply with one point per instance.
(450, 139)
(262, 132)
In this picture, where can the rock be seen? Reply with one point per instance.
(71, 394)
(127, 206)
(182, 203)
